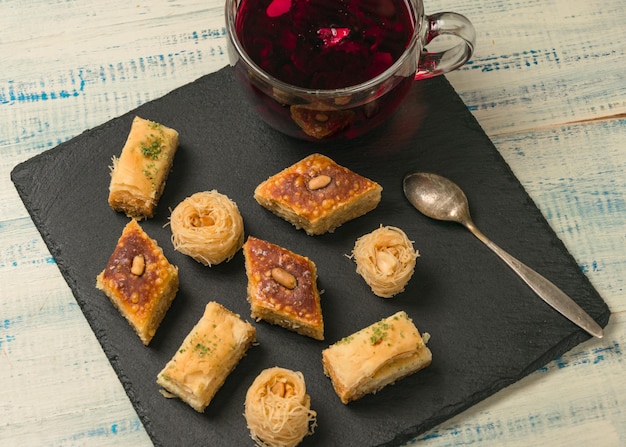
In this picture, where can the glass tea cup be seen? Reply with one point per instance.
(325, 69)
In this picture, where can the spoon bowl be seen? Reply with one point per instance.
(436, 196)
(439, 198)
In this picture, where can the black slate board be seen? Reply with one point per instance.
(488, 329)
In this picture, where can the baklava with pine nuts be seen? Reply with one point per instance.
(139, 280)
(207, 356)
(376, 356)
(282, 288)
(318, 195)
(321, 122)
(138, 176)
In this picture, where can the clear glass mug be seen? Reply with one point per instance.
(349, 112)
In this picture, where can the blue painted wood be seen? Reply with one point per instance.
(546, 83)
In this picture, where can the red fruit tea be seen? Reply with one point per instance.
(326, 44)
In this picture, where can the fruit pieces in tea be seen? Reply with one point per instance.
(324, 44)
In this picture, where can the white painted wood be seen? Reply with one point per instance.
(546, 83)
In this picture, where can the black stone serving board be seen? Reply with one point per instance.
(487, 328)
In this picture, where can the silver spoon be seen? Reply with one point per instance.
(441, 199)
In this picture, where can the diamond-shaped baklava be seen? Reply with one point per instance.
(139, 281)
(282, 288)
(318, 195)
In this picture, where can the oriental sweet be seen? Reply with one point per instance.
(319, 122)
(278, 409)
(318, 195)
(139, 281)
(376, 356)
(385, 258)
(282, 288)
(138, 176)
(207, 356)
(208, 227)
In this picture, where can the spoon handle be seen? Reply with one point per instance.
(546, 290)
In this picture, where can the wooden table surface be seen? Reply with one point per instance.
(546, 83)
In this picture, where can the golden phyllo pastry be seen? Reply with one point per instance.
(376, 356)
(138, 176)
(209, 353)
(282, 288)
(139, 281)
(318, 195)
(278, 409)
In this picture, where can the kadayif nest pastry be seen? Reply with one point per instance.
(208, 227)
(278, 409)
(385, 258)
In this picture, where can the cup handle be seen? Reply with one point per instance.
(446, 23)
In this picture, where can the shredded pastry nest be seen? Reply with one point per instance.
(385, 258)
(277, 409)
(208, 227)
